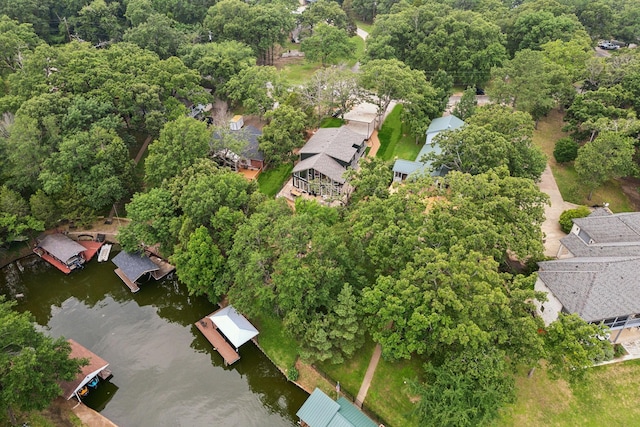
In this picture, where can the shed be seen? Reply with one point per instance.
(234, 326)
(319, 410)
(236, 122)
(96, 366)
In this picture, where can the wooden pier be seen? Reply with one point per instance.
(211, 333)
(132, 285)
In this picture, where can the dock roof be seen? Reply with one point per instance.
(233, 325)
(61, 247)
(88, 372)
(134, 265)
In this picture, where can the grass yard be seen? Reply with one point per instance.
(608, 398)
(331, 122)
(351, 372)
(272, 180)
(389, 395)
(280, 347)
(545, 136)
(395, 139)
(363, 25)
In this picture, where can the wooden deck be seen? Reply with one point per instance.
(132, 285)
(53, 261)
(164, 266)
(210, 331)
(91, 246)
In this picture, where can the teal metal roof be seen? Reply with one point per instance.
(353, 415)
(321, 411)
(318, 409)
(443, 123)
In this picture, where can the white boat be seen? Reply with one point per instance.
(105, 250)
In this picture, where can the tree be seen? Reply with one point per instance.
(530, 82)
(329, 44)
(138, 11)
(467, 104)
(31, 364)
(218, 62)
(257, 88)
(331, 88)
(200, 265)
(181, 143)
(525, 158)
(324, 11)
(283, 133)
(574, 345)
(371, 179)
(572, 55)
(153, 220)
(15, 218)
(157, 34)
(609, 156)
(98, 21)
(566, 150)
(467, 389)
(389, 79)
(16, 41)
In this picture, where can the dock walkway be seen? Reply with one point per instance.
(210, 331)
(132, 285)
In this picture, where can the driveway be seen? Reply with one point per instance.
(551, 224)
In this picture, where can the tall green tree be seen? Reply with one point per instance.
(16, 41)
(181, 143)
(157, 34)
(609, 156)
(283, 133)
(328, 44)
(467, 104)
(257, 88)
(31, 364)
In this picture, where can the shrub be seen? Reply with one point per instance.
(292, 373)
(566, 150)
(566, 217)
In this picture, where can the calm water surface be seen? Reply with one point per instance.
(165, 372)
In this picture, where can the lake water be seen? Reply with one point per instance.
(165, 373)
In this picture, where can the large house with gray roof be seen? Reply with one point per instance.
(403, 168)
(597, 275)
(325, 158)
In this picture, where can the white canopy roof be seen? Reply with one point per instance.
(233, 325)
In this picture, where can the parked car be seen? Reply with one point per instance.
(609, 46)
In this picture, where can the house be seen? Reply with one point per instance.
(403, 168)
(319, 410)
(603, 234)
(597, 277)
(251, 157)
(325, 158)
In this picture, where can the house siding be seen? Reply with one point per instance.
(550, 309)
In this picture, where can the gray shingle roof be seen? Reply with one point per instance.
(134, 265)
(61, 247)
(323, 164)
(339, 143)
(252, 150)
(595, 288)
(579, 248)
(618, 228)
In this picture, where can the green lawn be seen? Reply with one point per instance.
(351, 372)
(365, 26)
(549, 130)
(389, 395)
(608, 398)
(395, 139)
(331, 122)
(272, 180)
(278, 345)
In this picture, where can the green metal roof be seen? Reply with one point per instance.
(321, 411)
(355, 417)
(318, 409)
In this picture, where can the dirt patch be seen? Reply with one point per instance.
(630, 189)
(309, 379)
(280, 62)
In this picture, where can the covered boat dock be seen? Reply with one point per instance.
(97, 367)
(132, 266)
(227, 330)
(65, 254)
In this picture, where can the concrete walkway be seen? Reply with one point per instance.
(368, 376)
(551, 225)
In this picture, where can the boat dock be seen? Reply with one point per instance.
(164, 267)
(105, 250)
(130, 284)
(211, 333)
(91, 248)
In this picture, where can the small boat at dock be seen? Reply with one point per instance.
(105, 250)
